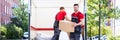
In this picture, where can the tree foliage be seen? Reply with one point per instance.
(96, 7)
(21, 16)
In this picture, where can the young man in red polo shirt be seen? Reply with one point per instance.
(77, 17)
(61, 15)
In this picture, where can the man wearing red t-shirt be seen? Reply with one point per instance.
(76, 17)
(61, 15)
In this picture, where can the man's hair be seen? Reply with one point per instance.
(61, 8)
(76, 5)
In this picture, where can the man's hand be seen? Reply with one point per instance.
(67, 18)
(75, 24)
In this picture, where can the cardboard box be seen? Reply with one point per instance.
(66, 26)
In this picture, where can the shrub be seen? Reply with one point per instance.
(14, 32)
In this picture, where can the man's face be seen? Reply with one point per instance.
(63, 10)
(76, 8)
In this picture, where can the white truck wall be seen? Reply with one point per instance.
(43, 11)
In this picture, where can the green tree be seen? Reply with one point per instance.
(21, 16)
(18, 24)
(105, 9)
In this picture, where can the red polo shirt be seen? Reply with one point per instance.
(60, 15)
(79, 15)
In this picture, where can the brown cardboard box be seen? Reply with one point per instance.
(66, 26)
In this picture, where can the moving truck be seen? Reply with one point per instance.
(43, 14)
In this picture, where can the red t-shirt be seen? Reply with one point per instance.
(79, 15)
(60, 15)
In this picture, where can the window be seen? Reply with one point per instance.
(8, 10)
(5, 9)
(6, 21)
(3, 14)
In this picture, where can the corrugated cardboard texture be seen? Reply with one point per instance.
(66, 26)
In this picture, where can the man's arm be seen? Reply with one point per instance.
(80, 23)
(67, 18)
